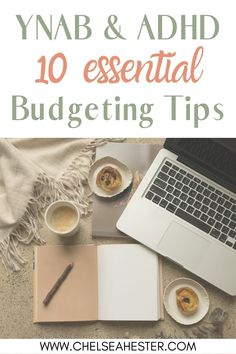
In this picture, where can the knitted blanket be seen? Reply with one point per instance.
(33, 174)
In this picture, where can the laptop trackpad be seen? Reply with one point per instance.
(183, 245)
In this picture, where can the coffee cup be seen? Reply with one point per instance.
(62, 218)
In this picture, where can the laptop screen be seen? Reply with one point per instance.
(218, 156)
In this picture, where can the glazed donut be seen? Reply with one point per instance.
(109, 179)
(187, 300)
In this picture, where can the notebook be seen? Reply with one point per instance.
(107, 282)
(106, 211)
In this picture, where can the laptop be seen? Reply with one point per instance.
(185, 208)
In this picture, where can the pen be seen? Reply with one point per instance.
(58, 283)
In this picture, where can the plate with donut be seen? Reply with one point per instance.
(186, 301)
(109, 177)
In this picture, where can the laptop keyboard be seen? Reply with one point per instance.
(195, 201)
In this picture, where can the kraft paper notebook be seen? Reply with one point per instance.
(107, 282)
(106, 211)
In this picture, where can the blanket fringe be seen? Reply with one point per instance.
(72, 185)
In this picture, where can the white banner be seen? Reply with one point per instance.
(92, 68)
(148, 346)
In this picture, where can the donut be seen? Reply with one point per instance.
(109, 179)
(187, 300)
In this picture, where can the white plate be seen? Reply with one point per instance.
(98, 165)
(171, 304)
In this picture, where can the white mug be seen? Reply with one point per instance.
(62, 218)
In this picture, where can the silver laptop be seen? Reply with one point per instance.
(185, 208)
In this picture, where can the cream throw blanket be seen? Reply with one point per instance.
(34, 173)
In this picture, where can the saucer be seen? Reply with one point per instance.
(171, 304)
(98, 165)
